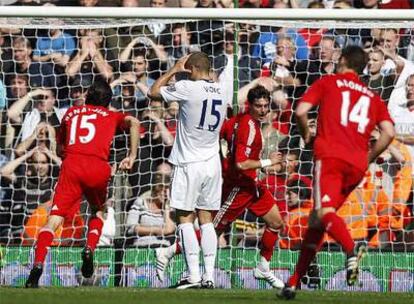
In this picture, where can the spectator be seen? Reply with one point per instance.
(140, 74)
(77, 91)
(18, 87)
(40, 73)
(265, 46)
(149, 220)
(389, 42)
(88, 3)
(179, 43)
(92, 59)
(57, 47)
(44, 110)
(32, 186)
(327, 55)
(248, 67)
(69, 234)
(380, 84)
(299, 204)
(386, 4)
(129, 3)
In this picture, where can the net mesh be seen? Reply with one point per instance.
(46, 66)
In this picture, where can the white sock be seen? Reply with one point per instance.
(170, 250)
(209, 248)
(263, 265)
(191, 249)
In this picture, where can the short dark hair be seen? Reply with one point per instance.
(355, 58)
(257, 93)
(199, 60)
(99, 93)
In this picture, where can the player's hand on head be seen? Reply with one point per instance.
(180, 64)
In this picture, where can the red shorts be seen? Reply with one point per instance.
(80, 176)
(334, 180)
(237, 199)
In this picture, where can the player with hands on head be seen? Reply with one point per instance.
(348, 112)
(196, 184)
(86, 134)
(241, 189)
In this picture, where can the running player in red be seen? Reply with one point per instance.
(86, 134)
(348, 112)
(241, 189)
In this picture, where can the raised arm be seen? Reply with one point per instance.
(155, 91)
(16, 110)
(7, 171)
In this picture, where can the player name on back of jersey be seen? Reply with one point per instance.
(212, 89)
(340, 83)
(86, 109)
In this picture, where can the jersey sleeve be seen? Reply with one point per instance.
(178, 91)
(120, 121)
(244, 140)
(314, 93)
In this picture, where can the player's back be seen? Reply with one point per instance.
(89, 130)
(200, 119)
(348, 112)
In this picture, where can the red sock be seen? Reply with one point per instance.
(310, 246)
(268, 242)
(177, 244)
(336, 228)
(44, 240)
(94, 232)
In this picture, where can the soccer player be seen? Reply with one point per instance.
(348, 112)
(86, 133)
(241, 189)
(196, 184)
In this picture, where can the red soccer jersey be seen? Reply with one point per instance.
(244, 142)
(89, 130)
(348, 112)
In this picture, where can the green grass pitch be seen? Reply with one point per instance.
(160, 296)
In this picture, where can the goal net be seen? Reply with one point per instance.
(48, 63)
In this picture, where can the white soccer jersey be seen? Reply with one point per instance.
(202, 112)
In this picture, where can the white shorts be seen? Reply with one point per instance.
(197, 185)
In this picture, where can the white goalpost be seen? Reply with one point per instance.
(54, 54)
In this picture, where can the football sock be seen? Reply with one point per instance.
(268, 242)
(94, 232)
(191, 249)
(310, 246)
(44, 240)
(336, 228)
(209, 248)
(177, 244)
(264, 265)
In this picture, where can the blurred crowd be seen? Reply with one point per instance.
(45, 71)
(367, 4)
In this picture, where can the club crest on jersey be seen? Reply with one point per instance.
(326, 198)
(171, 88)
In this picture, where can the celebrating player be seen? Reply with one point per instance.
(86, 134)
(348, 112)
(241, 189)
(196, 184)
